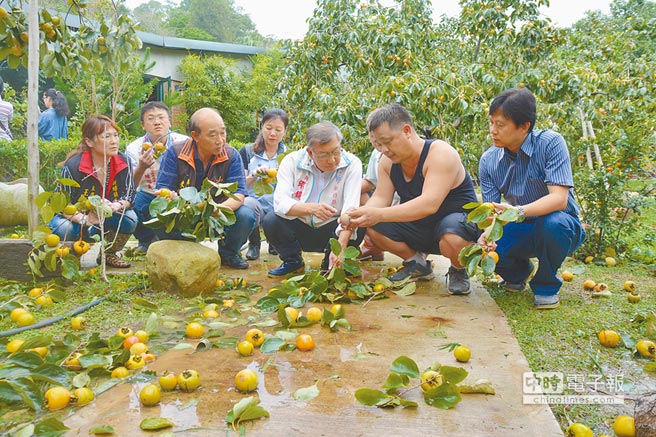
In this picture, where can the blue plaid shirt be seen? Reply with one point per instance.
(542, 160)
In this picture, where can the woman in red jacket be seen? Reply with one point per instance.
(100, 169)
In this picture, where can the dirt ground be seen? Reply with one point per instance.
(342, 362)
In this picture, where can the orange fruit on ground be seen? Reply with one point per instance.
(168, 381)
(138, 349)
(430, 379)
(624, 426)
(337, 310)
(589, 284)
(378, 288)
(42, 351)
(305, 342)
(314, 314)
(129, 341)
(245, 348)
(142, 335)
(78, 323)
(246, 380)
(292, 315)
(44, 300)
(255, 336)
(52, 240)
(14, 345)
(120, 372)
(608, 338)
(150, 395)
(16, 313)
(567, 275)
(57, 398)
(82, 396)
(630, 286)
(25, 319)
(194, 330)
(210, 314)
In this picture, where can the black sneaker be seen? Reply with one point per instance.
(413, 270)
(289, 266)
(253, 252)
(234, 261)
(457, 281)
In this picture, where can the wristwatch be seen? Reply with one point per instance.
(520, 214)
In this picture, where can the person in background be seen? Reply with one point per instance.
(258, 158)
(316, 185)
(433, 186)
(531, 169)
(6, 114)
(53, 124)
(206, 155)
(100, 169)
(156, 122)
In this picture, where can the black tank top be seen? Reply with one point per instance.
(453, 202)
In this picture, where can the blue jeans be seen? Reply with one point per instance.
(550, 238)
(69, 231)
(291, 237)
(234, 236)
(144, 234)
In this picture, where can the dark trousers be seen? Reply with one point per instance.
(291, 237)
(550, 238)
(141, 206)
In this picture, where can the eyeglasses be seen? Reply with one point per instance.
(106, 137)
(160, 118)
(327, 155)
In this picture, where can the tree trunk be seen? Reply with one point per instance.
(645, 415)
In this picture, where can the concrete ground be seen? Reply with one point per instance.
(342, 362)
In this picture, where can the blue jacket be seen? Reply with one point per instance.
(52, 126)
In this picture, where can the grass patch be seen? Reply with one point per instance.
(565, 339)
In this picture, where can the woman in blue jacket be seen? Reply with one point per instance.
(53, 123)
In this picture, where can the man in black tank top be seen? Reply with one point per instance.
(433, 186)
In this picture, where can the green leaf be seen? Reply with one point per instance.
(496, 232)
(152, 324)
(508, 215)
(394, 380)
(68, 182)
(94, 360)
(408, 404)
(479, 214)
(371, 397)
(445, 396)
(81, 380)
(407, 290)
(50, 427)
(629, 342)
(103, 429)
(351, 252)
(335, 247)
(141, 303)
(52, 374)
(271, 344)
(488, 265)
(42, 198)
(405, 366)
(154, 423)
(29, 392)
(28, 360)
(8, 392)
(453, 374)
(306, 393)
(253, 412)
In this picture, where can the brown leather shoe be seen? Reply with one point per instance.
(370, 252)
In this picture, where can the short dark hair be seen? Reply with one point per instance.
(517, 104)
(393, 114)
(154, 105)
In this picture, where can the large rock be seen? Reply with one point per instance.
(182, 267)
(13, 198)
(645, 415)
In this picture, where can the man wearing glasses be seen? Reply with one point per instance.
(315, 186)
(156, 122)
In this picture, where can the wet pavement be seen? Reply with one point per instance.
(415, 326)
